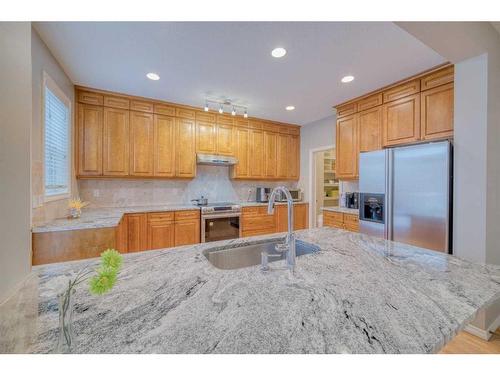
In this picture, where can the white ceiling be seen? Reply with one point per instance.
(233, 60)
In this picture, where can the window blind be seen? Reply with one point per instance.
(56, 145)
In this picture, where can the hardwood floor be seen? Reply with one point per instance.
(465, 343)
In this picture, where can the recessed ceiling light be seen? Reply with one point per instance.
(347, 79)
(153, 76)
(290, 108)
(278, 52)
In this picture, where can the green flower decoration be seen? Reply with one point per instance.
(103, 281)
(111, 259)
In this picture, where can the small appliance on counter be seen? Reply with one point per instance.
(352, 200)
(263, 194)
(295, 193)
(200, 201)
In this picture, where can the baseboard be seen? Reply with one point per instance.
(481, 333)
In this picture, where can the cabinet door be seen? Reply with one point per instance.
(160, 231)
(401, 121)
(187, 232)
(347, 147)
(256, 153)
(283, 156)
(137, 226)
(122, 235)
(293, 164)
(205, 137)
(116, 142)
(185, 155)
(90, 125)
(241, 144)
(270, 154)
(225, 140)
(300, 217)
(333, 219)
(437, 112)
(141, 143)
(370, 129)
(164, 146)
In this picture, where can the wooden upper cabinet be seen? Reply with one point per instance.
(185, 153)
(116, 102)
(370, 129)
(206, 137)
(162, 109)
(401, 91)
(347, 109)
(437, 112)
(347, 147)
(256, 153)
(164, 146)
(282, 156)
(90, 133)
(88, 97)
(185, 113)
(160, 230)
(141, 106)
(116, 142)
(270, 154)
(225, 139)
(293, 164)
(401, 121)
(137, 236)
(241, 148)
(370, 102)
(441, 77)
(141, 143)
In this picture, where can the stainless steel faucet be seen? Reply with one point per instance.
(289, 245)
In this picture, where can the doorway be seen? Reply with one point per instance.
(325, 185)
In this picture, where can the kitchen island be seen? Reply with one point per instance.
(359, 294)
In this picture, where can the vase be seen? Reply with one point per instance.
(75, 213)
(66, 340)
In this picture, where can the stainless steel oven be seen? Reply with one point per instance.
(220, 221)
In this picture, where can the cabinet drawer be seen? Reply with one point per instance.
(347, 109)
(116, 102)
(162, 109)
(241, 122)
(370, 102)
(438, 78)
(271, 128)
(334, 216)
(255, 124)
(401, 91)
(351, 219)
(90, 98)
(252, 211)
(161, 216)
(205, 116)
(137, 105)
(185, 113)
(351, 227)
(260, 222)
(187, 215)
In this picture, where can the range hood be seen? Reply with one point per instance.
(209, 159)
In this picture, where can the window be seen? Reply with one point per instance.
(57, 137)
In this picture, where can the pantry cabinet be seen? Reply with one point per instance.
(90, 133)
(347, 147)
(116, 142)
(124, 136)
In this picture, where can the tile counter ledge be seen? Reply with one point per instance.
(343, 210)
(105, 217)
(359, 294)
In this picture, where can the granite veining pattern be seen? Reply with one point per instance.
(359, 294)
(344, 210)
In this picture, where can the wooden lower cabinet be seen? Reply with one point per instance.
(187, 227)
(137, 232)
(160, 230)
(255, 220)
(341, 221)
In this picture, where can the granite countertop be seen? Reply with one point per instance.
(359, 294)
(344, 210)
(109, 217)
(253, 204)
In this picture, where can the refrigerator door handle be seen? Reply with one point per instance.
(389, 163)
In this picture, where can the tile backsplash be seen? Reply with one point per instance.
(212, 182)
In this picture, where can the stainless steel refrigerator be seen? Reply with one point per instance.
(406, 194)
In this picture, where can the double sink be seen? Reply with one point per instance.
(250, 255)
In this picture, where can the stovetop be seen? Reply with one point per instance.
(220, 207)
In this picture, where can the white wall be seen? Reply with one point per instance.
(42, 60)
(15, 124)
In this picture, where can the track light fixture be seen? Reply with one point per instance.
(221, 105)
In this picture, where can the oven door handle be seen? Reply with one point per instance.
(217, 216)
